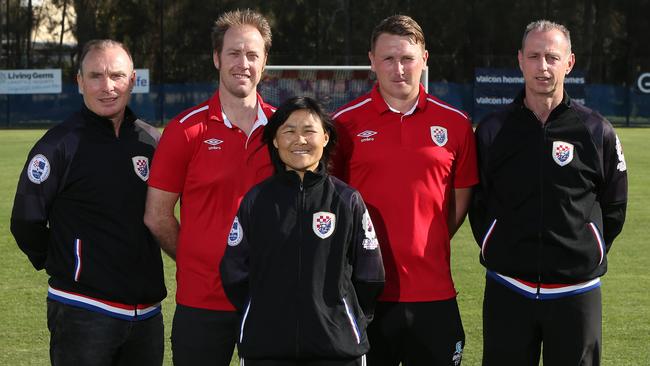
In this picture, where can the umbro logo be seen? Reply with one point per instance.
(367, 135)
(214, 144)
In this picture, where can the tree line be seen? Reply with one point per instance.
(172, 37)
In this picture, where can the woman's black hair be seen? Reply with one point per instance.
(280, 117)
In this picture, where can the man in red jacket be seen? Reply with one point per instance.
(211, 155)
(412, 158)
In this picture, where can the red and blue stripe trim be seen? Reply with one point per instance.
(543, 291)
(110, 308)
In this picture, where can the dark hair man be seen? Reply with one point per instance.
(413, 159)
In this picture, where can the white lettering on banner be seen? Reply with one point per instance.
(504, 100)
(494, 100)
(503, 79)
(30, 81)
(513, 80)
(574, 80)
(488, 79)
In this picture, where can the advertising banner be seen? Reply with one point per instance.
(494, 88)
(30, 81)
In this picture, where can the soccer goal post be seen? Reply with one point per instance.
(333, 86)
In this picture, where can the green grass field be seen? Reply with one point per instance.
(626, 288)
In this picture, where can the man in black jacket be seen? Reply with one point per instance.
(551, 200)
(78, 213)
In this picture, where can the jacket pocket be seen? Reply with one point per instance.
(600, 243)
(486, 238)
(353, 321)
(243, 321)
(77, 259)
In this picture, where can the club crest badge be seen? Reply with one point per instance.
(370, 241)
(562, 152)
(236, 233)
(439, 135)
(323, 224)
(38, 169)
(141, 167)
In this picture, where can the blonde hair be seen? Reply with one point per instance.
(238, 18)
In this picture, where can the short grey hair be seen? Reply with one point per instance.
(101, 44)
(545, 26)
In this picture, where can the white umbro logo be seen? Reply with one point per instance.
(214, 144)
(367, 135)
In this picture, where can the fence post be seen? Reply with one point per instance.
(161, 66)
(628, 90)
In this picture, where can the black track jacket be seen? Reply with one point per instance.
(552, 197)
(304, 268)
(78, 213)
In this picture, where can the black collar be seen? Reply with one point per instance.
(564, 104)
(309, 180)
(519, 100)
(105, 124)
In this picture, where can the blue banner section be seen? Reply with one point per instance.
(494, 88)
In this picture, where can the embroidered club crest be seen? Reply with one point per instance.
(562, 152)
(323, 224)
(141, 167)
(38, 169)
(236, 233)
(439, 135)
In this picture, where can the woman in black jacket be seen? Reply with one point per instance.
(303, 264)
